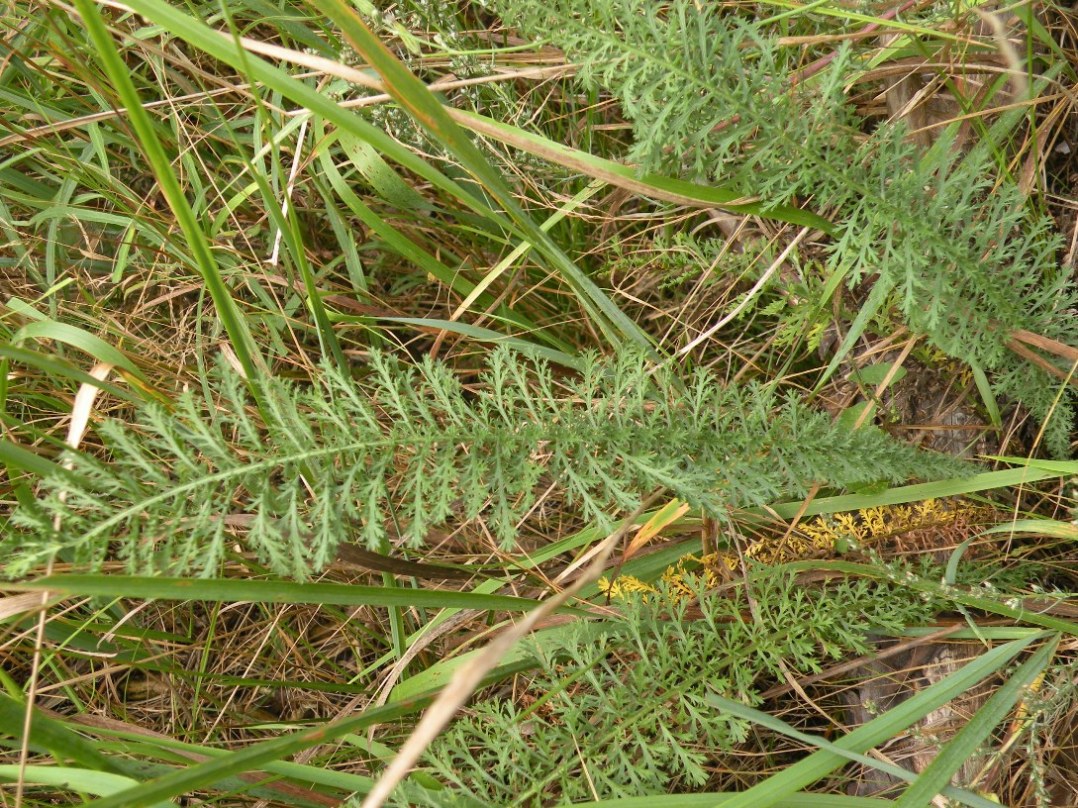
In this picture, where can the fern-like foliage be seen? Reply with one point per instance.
(713, 98)
(623, 706)
(413, 447)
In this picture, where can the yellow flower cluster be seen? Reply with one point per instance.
(625, 586)
(622, 587)
(843, 531)
(838, 532)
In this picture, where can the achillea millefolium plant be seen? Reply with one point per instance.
(317, 465)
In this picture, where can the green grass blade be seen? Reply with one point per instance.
(221, 589)
(850, 16)
(988, 398)
(243, 342)
(386, 231)
(205, 775)
(47, 734)
(1060, 468)
(66, 778)
(821, 763)
(777, 725)
(162, 747)
(57, 368)
(653, 186)
(428, 111)
(1034, 471)
(16, 457)
(489, 335)
(938, 774)
(1030, 616)
(718, 798)
(1040, 527)
(868, 310)
(520, 658)
(288, 226)
(76, 337)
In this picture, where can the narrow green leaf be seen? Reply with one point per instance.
(66, 778)
(1034, 472)
(654, 186)
(139, 744)
(1041, 527)
(777, 725)
(873, 375)
(16, 457)
(873, 303)
(205, 775)
(988, 398)
(235, 590)
(54, 737)
(718, 798)
(849, 15)
(489, 335)
(58, 368)
(428, 111)
(958, 750)
(850, 417)
(242, 341)
(383, 178)
(76, 338)
(821, 763)
(1056, 468)
(520, 658)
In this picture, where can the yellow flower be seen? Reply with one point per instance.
(623, 586)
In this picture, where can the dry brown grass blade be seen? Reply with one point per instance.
(468, 677)
(1048, 344)
(814, 68)
(371, 82)
(843, 668)
(748, 298)
(263, 780)
(1021, 350)
(13, 605)
(547, 150)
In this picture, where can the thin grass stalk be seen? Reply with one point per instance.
(243, 343)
